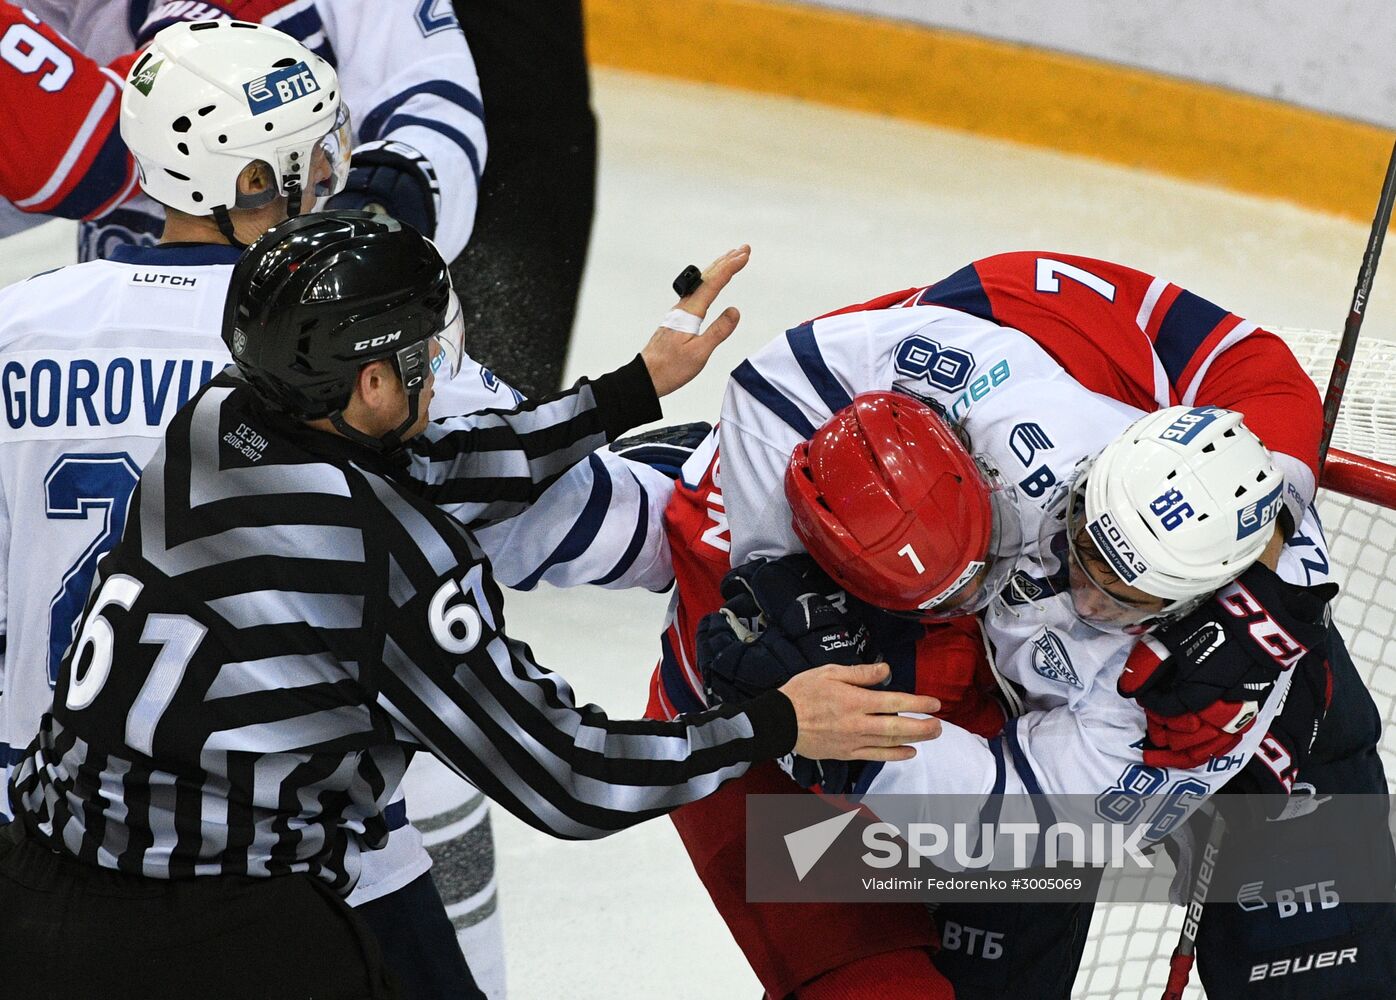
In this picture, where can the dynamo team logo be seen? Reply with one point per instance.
(1051, 660)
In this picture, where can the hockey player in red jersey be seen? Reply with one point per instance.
(788, 944)
(59, 107)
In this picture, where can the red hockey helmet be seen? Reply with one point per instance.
(888, 501)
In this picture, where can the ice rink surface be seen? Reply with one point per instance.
(838, 207)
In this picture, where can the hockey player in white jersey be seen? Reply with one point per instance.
(1060, 590)
(408, 78)
(98, 357)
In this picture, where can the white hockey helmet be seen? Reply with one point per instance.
(1177, 507)
(210, 97)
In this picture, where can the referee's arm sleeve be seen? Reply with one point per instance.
(492, 464)
(480, 703)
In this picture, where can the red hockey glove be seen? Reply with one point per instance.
(1202, 679)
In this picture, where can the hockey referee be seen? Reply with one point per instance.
(288, 617)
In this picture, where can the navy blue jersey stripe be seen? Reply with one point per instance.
(962, 291)
(300, 25)
(1041, 806)
(637, 540)
(136, 13)
(1020, 760)
(1189, 321)
(395, 815)
(459, 138)
(584, 528)
(451, 92)
(806, 350)
(9, 757)
(101, 182)
(746, 376)
(675, 681)
(993, 805)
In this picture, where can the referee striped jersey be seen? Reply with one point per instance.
(288, 617)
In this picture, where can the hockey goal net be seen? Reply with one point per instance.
(1127, 954)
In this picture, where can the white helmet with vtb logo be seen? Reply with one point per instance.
(1181, 503)
(209, 97)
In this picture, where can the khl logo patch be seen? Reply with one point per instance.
(1050, 659)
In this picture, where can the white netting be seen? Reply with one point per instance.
(1127, 954)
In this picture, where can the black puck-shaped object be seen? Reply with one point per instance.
(688, 281)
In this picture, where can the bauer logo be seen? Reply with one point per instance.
(1187, 426)
(1116, 549)
(267, 93)
(1253, 517)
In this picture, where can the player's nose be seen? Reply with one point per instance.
(1089, 602)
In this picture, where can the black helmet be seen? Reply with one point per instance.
(317, 297)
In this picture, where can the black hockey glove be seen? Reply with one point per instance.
(391, 178)
(1274, 771)
(1202, 679)
(781, 617)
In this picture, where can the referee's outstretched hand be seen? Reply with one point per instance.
(838, 718)
(674, 357)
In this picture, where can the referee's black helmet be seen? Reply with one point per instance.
(317, 297)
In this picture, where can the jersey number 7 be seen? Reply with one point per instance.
(78, 487)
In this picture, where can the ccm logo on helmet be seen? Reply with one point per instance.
(1116, 548)
(1253, 517)
(1187, 426)
(267, 93)
(387, 338)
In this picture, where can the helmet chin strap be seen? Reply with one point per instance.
(294, 196)
(224, 221)
(389, 442)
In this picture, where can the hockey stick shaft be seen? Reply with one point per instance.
(1337, 382)
(1180, 965)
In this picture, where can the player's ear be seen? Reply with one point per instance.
(377, 384)
(255, 179)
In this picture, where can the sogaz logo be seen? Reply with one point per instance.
(1117, 550)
